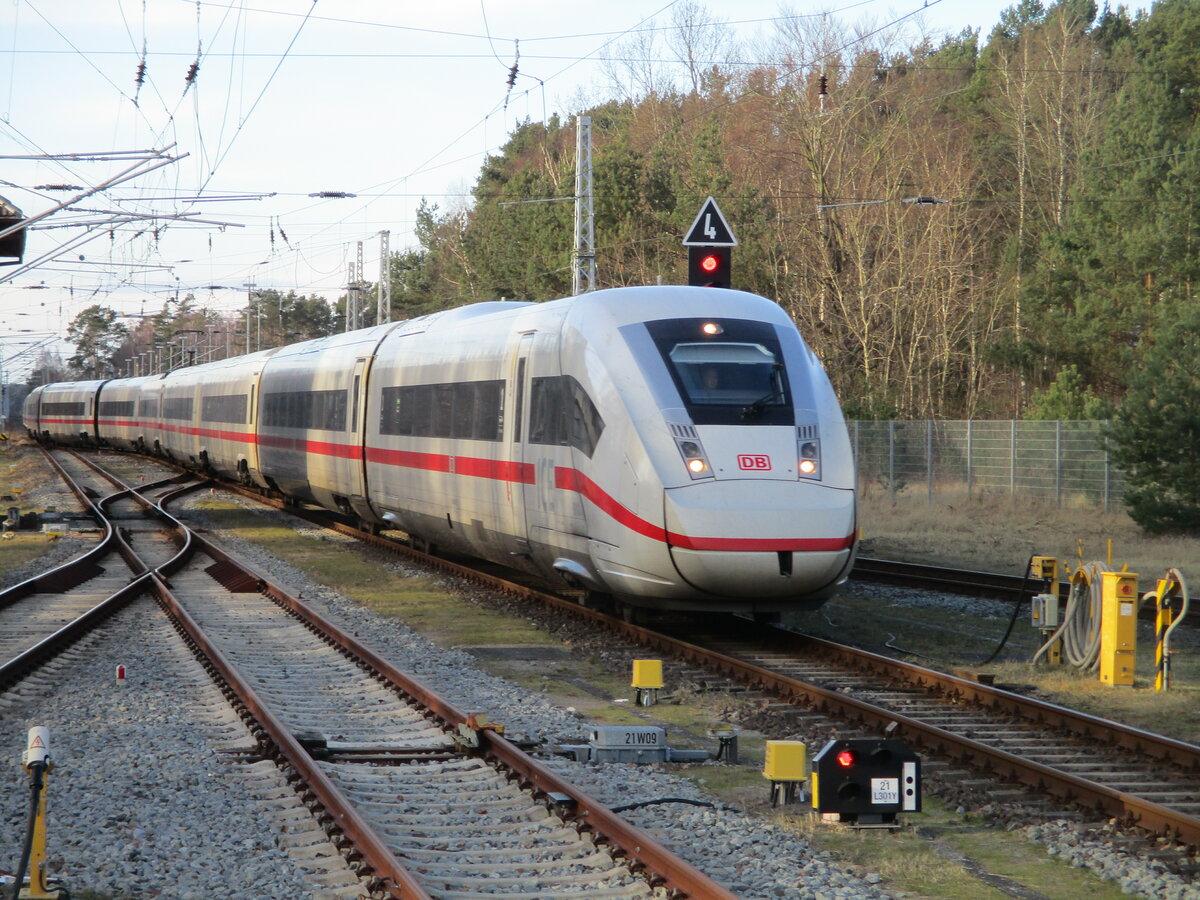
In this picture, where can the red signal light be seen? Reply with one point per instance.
(845, 759)
(709, 266)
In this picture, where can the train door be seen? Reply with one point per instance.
(553, 509)
(358, 461)
(518, 453)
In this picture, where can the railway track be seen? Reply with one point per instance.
(426, 800)
(1135, 777)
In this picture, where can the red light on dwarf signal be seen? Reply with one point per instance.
(845, 759)
(710, 263)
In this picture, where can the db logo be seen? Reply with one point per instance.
(754, 462)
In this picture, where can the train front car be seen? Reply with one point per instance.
(727, 481)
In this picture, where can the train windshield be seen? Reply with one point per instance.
(726, 371)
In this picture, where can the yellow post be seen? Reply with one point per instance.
(1045, 568)
(1168, 589)
(38, 763)
(1118, 627)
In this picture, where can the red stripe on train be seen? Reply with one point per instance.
(574, 480)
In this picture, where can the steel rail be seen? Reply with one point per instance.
(659, 865)
(387, 873)
(963, 581)
(75, 570)
(664, 868)
(1116, 804)
(369, 849)
(1112, 803)
(70, 575)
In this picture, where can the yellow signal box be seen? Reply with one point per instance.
(647, 681)
(1118, 627)
(786, 765)
(786, 761)
(647, 673)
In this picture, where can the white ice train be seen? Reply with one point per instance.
(669, 447)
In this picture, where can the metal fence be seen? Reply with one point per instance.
(1064, 463)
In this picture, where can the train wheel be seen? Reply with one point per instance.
(634, 615)
(599, 601)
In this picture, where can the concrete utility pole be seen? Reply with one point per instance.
(383, 300)
(583, 272)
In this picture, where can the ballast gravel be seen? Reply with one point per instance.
(140, 802)
(753, 858)
(145, 801)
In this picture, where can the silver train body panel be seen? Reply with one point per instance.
(675, 447)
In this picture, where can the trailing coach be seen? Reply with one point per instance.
(667, 447)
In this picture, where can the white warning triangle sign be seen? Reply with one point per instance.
(710, 228)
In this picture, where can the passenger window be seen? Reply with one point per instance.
(561, 413)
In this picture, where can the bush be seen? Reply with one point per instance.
(1156, 433)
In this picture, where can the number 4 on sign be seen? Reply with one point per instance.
(710, 228)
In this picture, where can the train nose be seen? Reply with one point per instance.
(763, 539)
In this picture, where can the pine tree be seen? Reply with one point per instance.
(1156, 435)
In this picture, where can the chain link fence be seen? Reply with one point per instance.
(1065, 463)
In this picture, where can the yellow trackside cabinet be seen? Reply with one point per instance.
(1118, 627)
(785, 761)
(647, 673)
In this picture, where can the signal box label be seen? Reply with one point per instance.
(885, 791)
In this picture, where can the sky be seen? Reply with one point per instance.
(248, 109)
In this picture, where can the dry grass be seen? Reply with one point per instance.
(999, 534)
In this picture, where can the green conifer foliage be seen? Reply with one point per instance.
(1156, 435)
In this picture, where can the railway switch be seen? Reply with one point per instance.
(647, 681)
(1118, 627)
(785, 764)
(866, 781)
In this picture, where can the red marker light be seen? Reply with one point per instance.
(710, 263)
(845, 759)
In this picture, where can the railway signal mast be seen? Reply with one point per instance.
(710, 244)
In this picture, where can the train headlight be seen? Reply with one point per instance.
(694, 459)
(809, 463)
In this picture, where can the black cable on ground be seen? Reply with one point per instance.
(38, 773)
(629, 806)
(1015, 612)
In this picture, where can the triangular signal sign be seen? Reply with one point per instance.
(710, 228)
